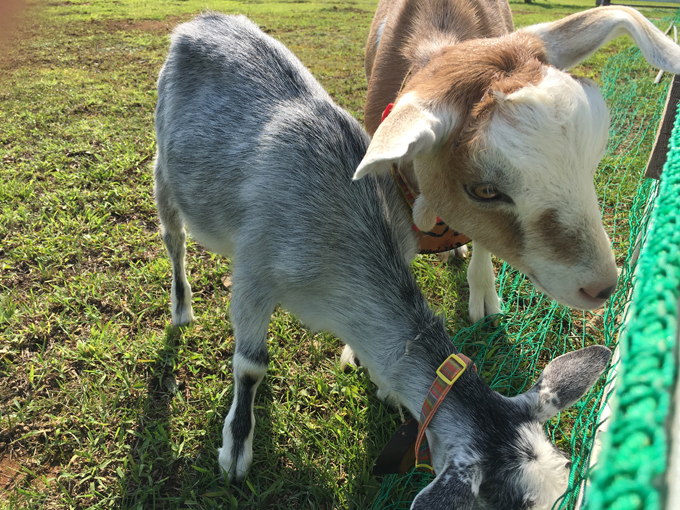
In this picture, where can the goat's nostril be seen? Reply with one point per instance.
(605, 293)
(568, 465)
(597, 293)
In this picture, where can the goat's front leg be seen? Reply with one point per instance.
(250, 319)
(483, 297)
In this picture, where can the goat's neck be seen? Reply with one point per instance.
(410, 376)
(435, 24)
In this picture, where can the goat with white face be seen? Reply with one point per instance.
(501, 143)
(257, 160)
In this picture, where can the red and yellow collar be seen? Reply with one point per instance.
(408, 445)
(447, 374)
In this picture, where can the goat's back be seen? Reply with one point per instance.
(258, 161)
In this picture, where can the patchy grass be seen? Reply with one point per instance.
(102, 404)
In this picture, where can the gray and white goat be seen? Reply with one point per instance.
(257, 160)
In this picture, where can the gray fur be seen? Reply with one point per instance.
(257, 160)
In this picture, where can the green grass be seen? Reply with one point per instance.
(102, 404)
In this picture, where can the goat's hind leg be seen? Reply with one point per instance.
(174, 237)
(250, 315)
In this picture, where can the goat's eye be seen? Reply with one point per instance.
(484, 192)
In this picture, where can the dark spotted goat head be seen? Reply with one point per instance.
(495, 454)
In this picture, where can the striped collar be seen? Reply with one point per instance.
(447, 374)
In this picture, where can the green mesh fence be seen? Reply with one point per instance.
(632, 468)
(534, 329)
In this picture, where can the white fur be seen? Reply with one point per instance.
(423, 216)
(550, 175)
(546, 476)
(567, 48)
(347, 357)
(379, 33)
(484, 299)
(183, 314)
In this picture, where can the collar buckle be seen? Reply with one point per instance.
(450, 374)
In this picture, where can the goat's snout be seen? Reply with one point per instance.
(596, 291)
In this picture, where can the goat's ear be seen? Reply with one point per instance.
(406, 132)
(455, 487)
(574, 38)
(565, 380)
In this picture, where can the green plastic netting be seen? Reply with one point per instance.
(632, 469)
(534, 329)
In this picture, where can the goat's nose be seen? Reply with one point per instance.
(597, 292)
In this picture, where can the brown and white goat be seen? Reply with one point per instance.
(497, 138)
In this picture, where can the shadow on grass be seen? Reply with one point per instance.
(158, 473)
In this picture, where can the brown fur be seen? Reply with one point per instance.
(562, 240)
(415, 30)
(443, 182)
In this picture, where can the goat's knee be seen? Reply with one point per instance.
(484, 299)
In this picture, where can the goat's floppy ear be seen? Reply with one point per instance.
(455, 487)
(574, 38)
(406, 132)
(566, 379)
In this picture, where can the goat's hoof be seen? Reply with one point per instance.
(495, 322)
(182, 316)
(461, 252)
(235, 470)
(348, 361)
(480, 309)
(457, 253)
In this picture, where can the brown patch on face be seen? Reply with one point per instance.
(561, 240)
(441, 183)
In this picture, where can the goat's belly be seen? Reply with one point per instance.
(221, 244)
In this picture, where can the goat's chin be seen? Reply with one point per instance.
(574, 298)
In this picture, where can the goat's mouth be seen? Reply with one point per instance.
(580, 300)
(594, 302)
